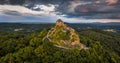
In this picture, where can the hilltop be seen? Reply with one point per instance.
(64, 36)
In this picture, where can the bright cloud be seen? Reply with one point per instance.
(25, 11)
(10, 13)
(19, 9)
(112, 1)
(47, 8)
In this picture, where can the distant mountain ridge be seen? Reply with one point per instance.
(64, 36)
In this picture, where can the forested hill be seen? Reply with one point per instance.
(19, 47)
(64, 36)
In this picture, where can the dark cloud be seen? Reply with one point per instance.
(12, 2)
(90, 9)
(16, 2)
(11, 13)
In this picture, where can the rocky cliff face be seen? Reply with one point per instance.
(64, 36)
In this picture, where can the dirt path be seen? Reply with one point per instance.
(48, 34)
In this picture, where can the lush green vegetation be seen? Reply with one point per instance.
(19, 47)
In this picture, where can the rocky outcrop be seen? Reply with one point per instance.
(64, 36)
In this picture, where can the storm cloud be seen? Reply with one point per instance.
(88, 9)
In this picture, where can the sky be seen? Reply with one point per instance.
(48, 11)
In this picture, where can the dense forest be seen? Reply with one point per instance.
(28, 47)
